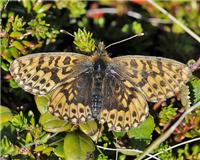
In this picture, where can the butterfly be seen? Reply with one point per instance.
(113, 90)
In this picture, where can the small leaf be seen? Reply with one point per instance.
(44, 8)
(18, 45)
(48, 150)
(37, 6)
(77, 146)
(27, 5)
(29, 138)
(5, 114)
(144, 131)
(59, 151)
(40, 148)
(4, 66)
(51, 123)
(119, 134)
(57, 126)
(13, 84)
(41, 102)
(16, 34)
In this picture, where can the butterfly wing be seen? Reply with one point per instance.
(71, 101)
(41, 73)
(124, 106)
(157, 78)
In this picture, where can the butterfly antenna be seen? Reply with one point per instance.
(63, 31)
(137, 35)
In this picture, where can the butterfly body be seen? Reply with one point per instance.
(112, 90)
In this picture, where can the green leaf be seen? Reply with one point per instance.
(90, 128)
(5, 114)
(78, 146)
(137, 27)
(13, 84)
(144, 131)
(27, 5)
(51, 123)
(44, 8)
(41, 102)
(59, 150)
(16, 34)
(4, 66)
(18, 45)
(119, 134)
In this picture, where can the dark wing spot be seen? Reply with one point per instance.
(170, 81)
(81, 110)
(46, 69)
(35, 78)
(51, 60)
(29, 75)
(43, 81)
(120, 118)
(162, 83)
(133, 63)
(141, 84)
(149, 90)
(66, 60)
(134, 114)
(48, 84)
(155, 86)
(112, 116)
(25, 70)
(59, 105)
(73, 111)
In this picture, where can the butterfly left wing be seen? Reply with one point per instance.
(124, 106)
(41, 73)
(71, 101)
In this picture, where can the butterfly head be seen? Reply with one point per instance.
(101, 51)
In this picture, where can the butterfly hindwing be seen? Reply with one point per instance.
(41, 73)
(157, 78)
(124, 107)
(71, 101)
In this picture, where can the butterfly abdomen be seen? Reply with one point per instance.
(98, 76)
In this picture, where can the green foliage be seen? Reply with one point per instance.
(166, 154)
(7, 148)
(76, 7)
(195, 85)
(166, 114)
(84, 41)
(189, 152)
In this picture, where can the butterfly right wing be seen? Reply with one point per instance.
(124, 106)
(41, 73)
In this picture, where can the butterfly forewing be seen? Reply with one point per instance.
(157, 78)
(41, 73)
